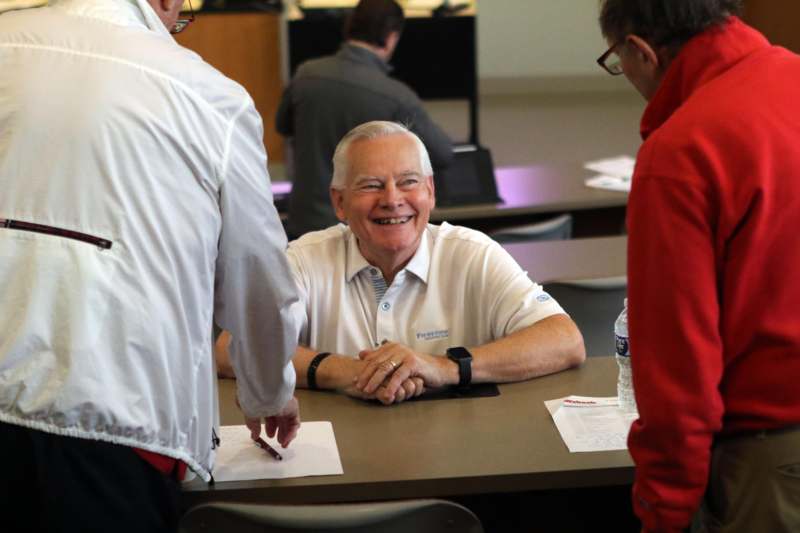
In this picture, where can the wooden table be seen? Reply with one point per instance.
(452, 447)
(535, 189)
(537, 192)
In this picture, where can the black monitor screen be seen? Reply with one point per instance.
(435, 55)
(468, 180)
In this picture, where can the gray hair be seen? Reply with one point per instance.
(373, 130)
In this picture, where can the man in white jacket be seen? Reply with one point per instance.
(133, 188)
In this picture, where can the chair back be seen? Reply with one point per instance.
(594, 305)
(416, 516)
(558, 228)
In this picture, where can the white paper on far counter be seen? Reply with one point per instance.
(615, 173)
(609, 183)
(619, 166)
(312, 453)
(591, 424)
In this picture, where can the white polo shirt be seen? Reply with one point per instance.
(460, 289)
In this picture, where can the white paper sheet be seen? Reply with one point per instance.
(609, 183)
(591, 424)
(312, 453)
(615, 173)
(619, 166)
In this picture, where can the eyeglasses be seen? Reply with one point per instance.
(610, 61)
(181, 24)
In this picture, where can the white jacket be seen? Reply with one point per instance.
(110, 129)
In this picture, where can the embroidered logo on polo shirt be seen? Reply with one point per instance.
(431, 335)
(543, 297)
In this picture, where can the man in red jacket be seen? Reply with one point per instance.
(713, 260)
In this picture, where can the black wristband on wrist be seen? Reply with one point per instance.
(463, 359)
(311, 374)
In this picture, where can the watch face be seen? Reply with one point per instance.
(459, 353)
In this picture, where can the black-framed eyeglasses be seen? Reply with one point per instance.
(181, 24)
(610, 61)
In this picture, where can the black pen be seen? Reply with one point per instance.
(267, 448)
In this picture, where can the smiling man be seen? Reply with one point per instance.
(395, 305)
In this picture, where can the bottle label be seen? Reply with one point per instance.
(622, 346)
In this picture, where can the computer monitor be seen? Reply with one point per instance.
(468, 180)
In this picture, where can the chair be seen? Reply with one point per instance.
(417, 516)
(594, 305)
(553, 229)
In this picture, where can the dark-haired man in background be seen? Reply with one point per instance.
(712, 261)
(330, 96)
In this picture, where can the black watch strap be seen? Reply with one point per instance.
(463, 359)
(311, 373)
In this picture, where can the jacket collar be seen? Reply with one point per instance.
(359, 54)
(128, 13)
(702, 59)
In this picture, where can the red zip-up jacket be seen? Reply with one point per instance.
(713, 263)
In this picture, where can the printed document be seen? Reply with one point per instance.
(591, 424)
(312, 453)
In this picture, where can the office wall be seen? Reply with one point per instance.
(526, 45)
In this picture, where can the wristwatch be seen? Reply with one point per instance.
(463, 359)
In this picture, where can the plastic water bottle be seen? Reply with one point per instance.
(625, 397)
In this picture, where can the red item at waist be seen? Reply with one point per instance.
(169, 466)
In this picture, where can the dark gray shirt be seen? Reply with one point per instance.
(327, 98)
